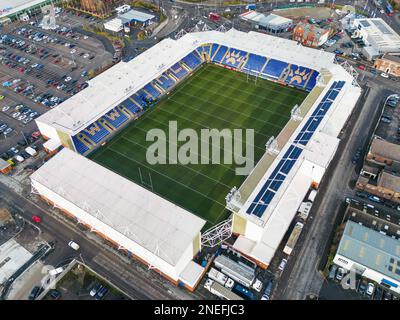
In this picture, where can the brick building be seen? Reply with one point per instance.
(388, 64)
(310, 35)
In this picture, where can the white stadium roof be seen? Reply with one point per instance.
(116, 84)
(143, 217)
(8, 7)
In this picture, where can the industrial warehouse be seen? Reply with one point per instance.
(166, 233)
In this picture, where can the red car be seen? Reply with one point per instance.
(361, 67)
(36, 219)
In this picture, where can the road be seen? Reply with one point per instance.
(133, 278)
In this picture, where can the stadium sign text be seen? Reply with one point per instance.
(186, 146)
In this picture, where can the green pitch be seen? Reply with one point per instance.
(213, 97)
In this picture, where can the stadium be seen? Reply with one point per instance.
(296, 99)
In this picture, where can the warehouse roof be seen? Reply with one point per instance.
(145, 218)
(371, 249)
(385, 149)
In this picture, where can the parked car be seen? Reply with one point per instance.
(74, 245)
(370, 289)
(55, 294)
(268, 290)
(384, 75)
(101, 293)
(95, 289)
(282, 265)
(340, 274)
(36, 219)
(36, 291)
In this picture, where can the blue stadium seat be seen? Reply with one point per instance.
(298, 76)
(153, 91)
(312, 81)
(214, 48)
(79, 145)
(165, 82)
(274, 68)
(233, 57)
(220, 54)
(96, 132)
(178, 70)
(254, 63)
(115, 117)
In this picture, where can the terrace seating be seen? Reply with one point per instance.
(165, 82)
(220, 54)
(115, 117)
(234, 57)
(192, 60)
(96, 132)
(132, 106)
(205, 49)
(151, 90)
(254, 63)
(178, 70)
(274, 68)
(79, 145)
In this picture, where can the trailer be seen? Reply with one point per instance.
(304, 210)
(217, 276)
(244, 292)
(241, 273)
(294, 236)
(220, 291)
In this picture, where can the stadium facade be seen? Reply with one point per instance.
(266, 203)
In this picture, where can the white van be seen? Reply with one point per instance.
(73, 245)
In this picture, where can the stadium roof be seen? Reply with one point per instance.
(371, 249)
(8, 7)
(145, 218)
(134, 15)
(113, 86)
